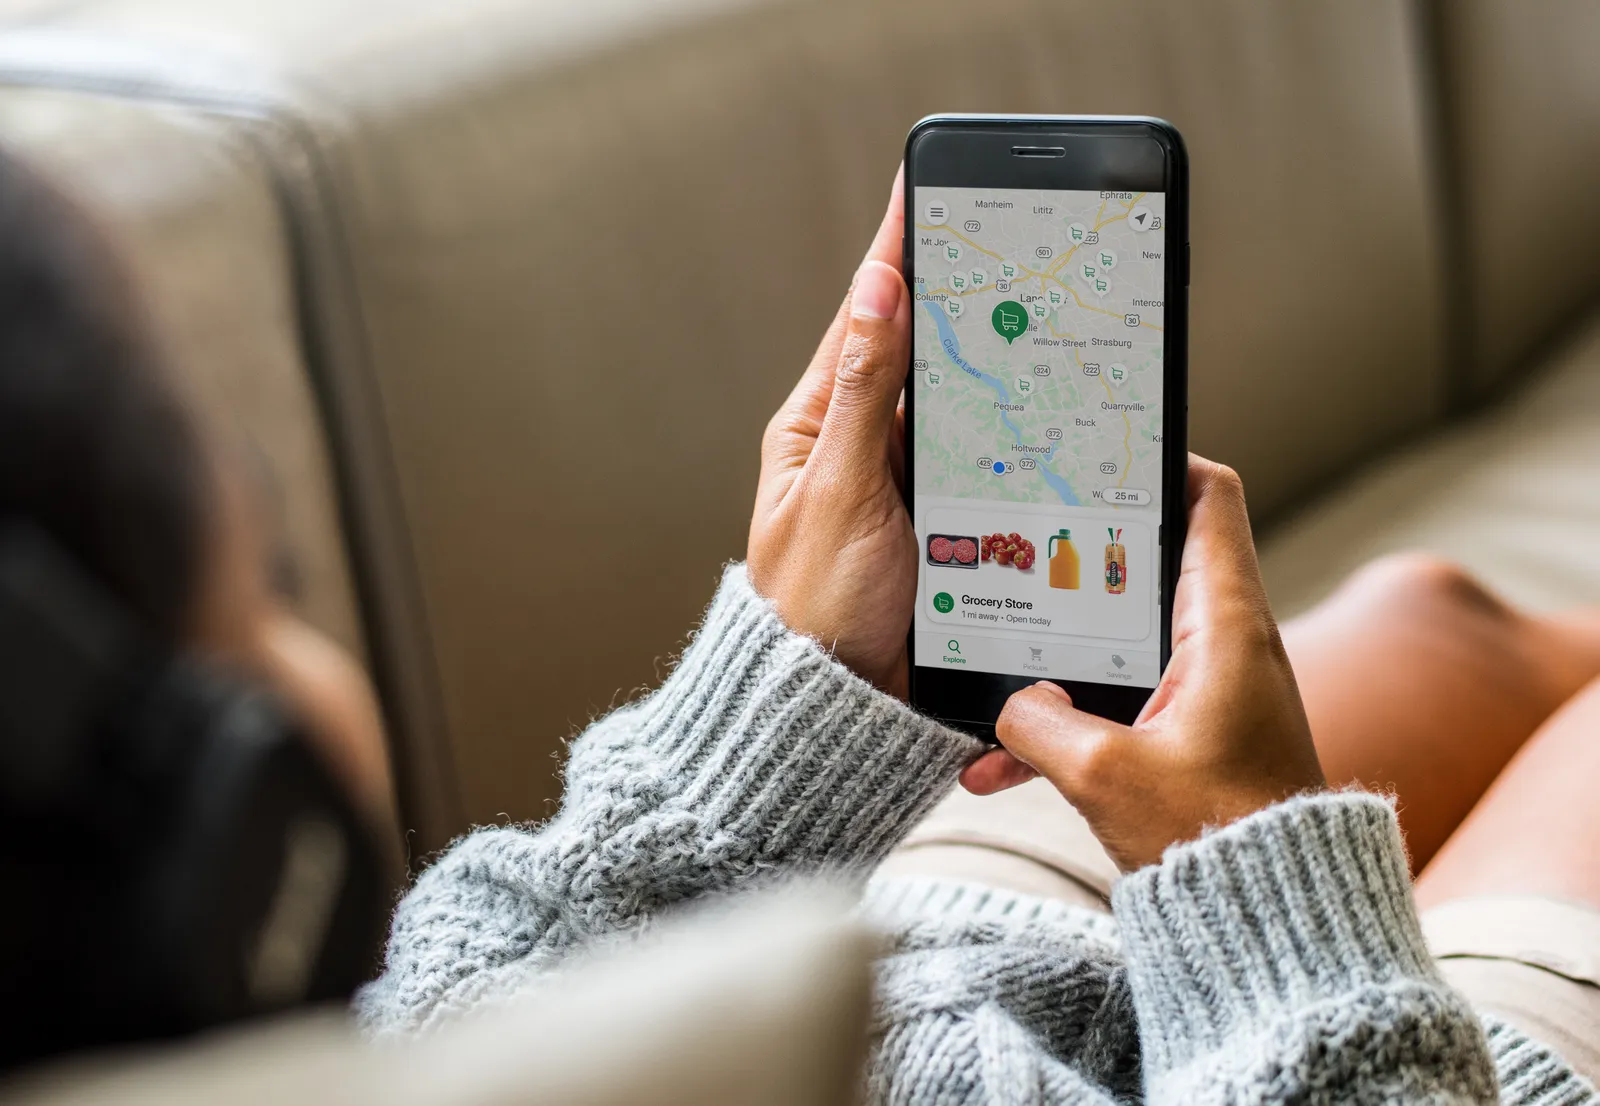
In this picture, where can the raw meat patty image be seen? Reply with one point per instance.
(949, 550)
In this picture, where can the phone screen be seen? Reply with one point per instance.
(1036, 431)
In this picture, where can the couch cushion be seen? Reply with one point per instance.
(1521, 104)
(560, 262)
(197, 214)
(765, 1006)
(200, 228)
(1514, 495)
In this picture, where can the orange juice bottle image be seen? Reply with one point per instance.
(1116, 564)
(1063, 561)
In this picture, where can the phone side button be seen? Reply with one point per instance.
(1186, 264)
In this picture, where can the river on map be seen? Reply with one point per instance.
(952, 350)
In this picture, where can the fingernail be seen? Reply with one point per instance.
(877, 292)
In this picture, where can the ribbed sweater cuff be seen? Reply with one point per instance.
(1532, 1075)
(1303, 902)
(775, 743)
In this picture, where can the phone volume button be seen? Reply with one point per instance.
(1185, 264)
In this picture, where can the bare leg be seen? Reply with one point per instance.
(1419, 682)
(1537, 828)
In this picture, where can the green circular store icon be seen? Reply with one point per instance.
(1010, 320)
(943, 603)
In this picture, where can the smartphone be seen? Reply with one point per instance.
(1046, 408)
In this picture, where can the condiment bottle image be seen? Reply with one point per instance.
(1116, 564)
(1063, 561)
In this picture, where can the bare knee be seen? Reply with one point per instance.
(1416, 581)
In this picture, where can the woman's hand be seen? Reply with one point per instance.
(830, 543)
(1223, 736)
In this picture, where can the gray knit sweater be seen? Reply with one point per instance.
(1276, 960)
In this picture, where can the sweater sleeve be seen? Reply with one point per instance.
(1280, 959)
(759, 755)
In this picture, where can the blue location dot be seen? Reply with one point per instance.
(999, 468)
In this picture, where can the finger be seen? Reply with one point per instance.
(997, 770)
(886, 244)
(802, 413)
(1220, 571)
(872, 369)
(886, 248)
(1041, 727)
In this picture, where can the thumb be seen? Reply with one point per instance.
(872, 368)
(1041, 727)
(1219, 553)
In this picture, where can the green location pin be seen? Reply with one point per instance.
(1010, 320)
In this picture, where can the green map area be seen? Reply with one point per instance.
(1038, 336)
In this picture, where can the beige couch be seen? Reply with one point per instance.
(764, 1005)
(506, 289)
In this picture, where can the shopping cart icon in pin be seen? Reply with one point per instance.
(1010, 321)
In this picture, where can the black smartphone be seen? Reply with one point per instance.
(1046, 409)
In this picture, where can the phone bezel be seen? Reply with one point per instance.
(980, 156)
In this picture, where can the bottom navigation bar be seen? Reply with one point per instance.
(1109, 664)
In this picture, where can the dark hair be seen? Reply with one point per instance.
(96, 447)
